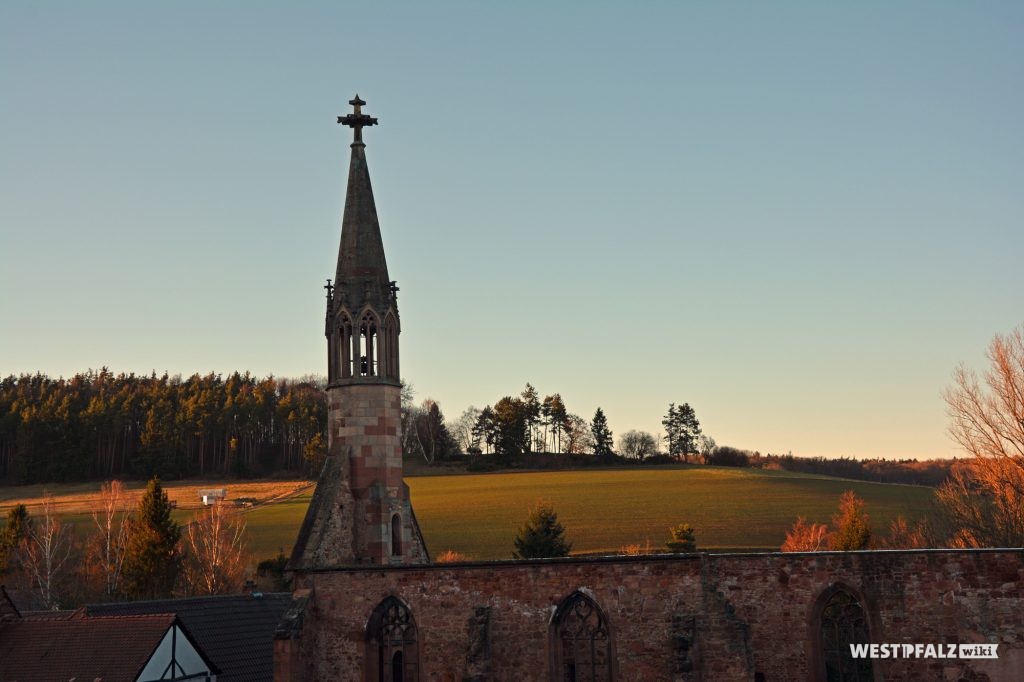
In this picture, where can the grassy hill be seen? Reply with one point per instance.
(602, 510)
(731, 509)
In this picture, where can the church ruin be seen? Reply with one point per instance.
(369, 606)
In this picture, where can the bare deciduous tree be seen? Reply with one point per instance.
(983, 505)
(578, 437)
(706, 447)
(410, 413)
(637, 444)
(111, 519)
(463, 432)
(429, 426)
(216, 547)
(985, 499)
(46, 552)
(903, 536)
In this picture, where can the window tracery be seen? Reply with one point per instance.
(844, 622)
(582, 645)
(391, 644)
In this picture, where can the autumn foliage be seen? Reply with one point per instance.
(806, 537)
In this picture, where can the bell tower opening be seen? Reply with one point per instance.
(369, 346)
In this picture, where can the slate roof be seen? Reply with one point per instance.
(361, 261)
(111, 649)
(235, 631)
(25, 600)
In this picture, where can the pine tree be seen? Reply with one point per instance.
(153, 554)
(602, 434)
(557, 414)
(531, 411)
(682, 540)
(542, 535)
(681, 430)
(274, 570)
(689, 429)
(17, 528)
(511, 435)
(671, 430)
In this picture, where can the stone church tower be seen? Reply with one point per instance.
(360, 512)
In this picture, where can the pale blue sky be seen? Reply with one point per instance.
(797, 217)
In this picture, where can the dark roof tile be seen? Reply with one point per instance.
(235, 631)
(111, 649)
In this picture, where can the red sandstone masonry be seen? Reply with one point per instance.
(350, 519)
(751, 613)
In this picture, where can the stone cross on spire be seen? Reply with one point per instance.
(357, 119)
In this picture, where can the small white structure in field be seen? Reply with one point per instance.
(213, 495)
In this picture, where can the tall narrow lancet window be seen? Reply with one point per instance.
(582, 643)
(844, 622)
(396, 535)
(391, 654)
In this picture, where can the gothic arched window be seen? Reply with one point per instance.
(391, 654)
(843, 622)
(582, 643)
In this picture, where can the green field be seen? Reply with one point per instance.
(731, 509)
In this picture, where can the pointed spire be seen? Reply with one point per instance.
(362, 273)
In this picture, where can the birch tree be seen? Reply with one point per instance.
(46, 553)
(216, 551)
(108, 547)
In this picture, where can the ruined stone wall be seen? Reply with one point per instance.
(928, 596)
(697, 617)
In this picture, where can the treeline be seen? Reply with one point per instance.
(98, 425)
(930, 472)
(530, 431)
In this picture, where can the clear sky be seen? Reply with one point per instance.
(797, 217)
